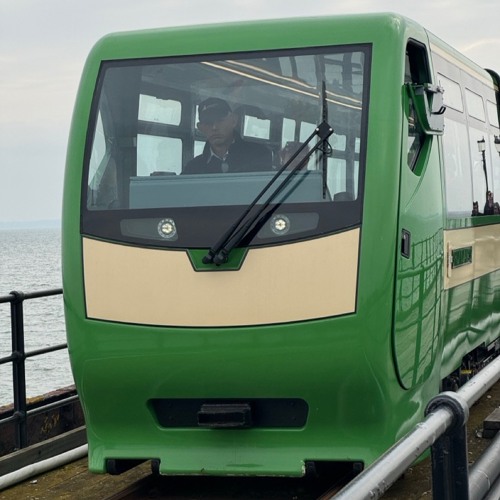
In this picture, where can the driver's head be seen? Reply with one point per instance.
(217, 122)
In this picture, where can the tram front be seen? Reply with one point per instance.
(221, 216)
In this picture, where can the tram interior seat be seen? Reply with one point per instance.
(343, 196)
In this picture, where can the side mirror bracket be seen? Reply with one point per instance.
(429, 106)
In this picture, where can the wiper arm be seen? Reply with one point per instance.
(219, 253)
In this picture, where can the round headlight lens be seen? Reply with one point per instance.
(167, 229)
(280, 224)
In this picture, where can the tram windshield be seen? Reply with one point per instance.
(180, 146)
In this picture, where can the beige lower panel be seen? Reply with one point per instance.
(485, 241)
(300, 281)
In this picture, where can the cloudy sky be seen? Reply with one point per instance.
(43, 46)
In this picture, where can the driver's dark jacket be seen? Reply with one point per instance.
(242, 156)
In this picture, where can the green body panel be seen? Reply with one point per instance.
(419, 275)
(120, 375)
(365, 387)
(419, 280)
(471, 316)
(234, 262)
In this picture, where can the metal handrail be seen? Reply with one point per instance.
(444, 430)
(18, 357)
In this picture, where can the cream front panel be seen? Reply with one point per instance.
(293, 282)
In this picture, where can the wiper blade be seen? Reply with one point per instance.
(219, 253)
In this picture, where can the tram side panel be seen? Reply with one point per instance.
(471, 243)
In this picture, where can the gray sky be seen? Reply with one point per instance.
(43, 46)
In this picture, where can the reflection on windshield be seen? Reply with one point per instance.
(192, 133)
(272, 193)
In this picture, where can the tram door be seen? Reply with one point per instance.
(420, 248)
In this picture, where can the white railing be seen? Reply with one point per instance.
(444, 430)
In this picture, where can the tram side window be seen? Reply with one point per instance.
(456, 156)
(98, 152)
(416, 71)
(457, 169)
(155, 110)
(492, 114)
(342, 181)
(157, 152)
(478, 173)
(255, 127)
(102, 171)
(482, 159)
(416, 136)
(475, 105)
(472, 169)
(495, 164)
(481, 171)
(288, 131)
(452, 96)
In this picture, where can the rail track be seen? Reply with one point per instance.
(211, 488)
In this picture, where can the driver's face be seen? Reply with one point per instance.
(219, 132)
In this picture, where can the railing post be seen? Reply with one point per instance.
(450, 469)
(19, 368)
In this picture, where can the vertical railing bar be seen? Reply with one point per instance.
(19, 368)
(450, 471)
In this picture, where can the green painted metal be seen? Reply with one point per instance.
(428, 101)
(235, 260)
(419, 278)
(366, 376)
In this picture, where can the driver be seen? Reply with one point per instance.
(225, 150)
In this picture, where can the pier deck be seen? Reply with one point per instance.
(73, 481)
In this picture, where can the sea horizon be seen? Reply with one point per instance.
(30, 261)
(30, 224)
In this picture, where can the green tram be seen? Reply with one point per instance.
(280, 240)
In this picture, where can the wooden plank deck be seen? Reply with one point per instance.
(74, 481)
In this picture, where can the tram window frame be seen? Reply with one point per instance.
(478, 91)
(457, 168)
(159, 121)
(464, 179)
(166, 150)
(255, 127)
(495, 162)
(416, 137)
(452, 96)
(99, 150)
(477, 168)
(288, 130)
(475, 105)
(492, 112)
(417, 71)
(149, 103)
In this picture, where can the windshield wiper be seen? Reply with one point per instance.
(219, 253)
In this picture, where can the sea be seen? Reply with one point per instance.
(30, 261)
